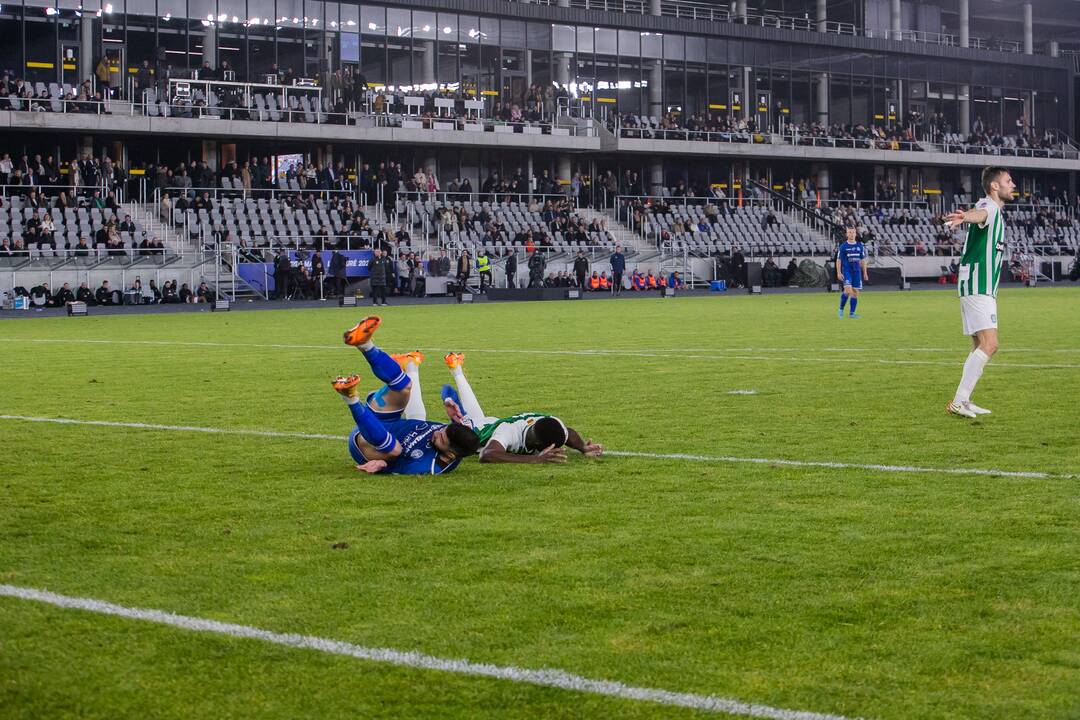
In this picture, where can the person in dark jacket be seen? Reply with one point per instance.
(511, 269)
(537, 264)
(282, 268)
(83, 294)
(337, 273)
(581, 268)
(63, 296)
(381, 270)
(464, 269)
(104, 295)
(318, 270)
(618, 267)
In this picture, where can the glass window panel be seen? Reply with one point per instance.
(330, 15)
(230, 13)
(606, 41)
(489, 31)
(563, 38)
(350, 17)
(539, 36)
(372, 20)
(201, 9)
(513, 33)
(313, 14)
(398, 23)
(717, 51)
(695, 49)
(447, 26)
(350, 47)
(469, 29)
(424, 24)
(629, 43)
(652, 45)
(138, 7)
(673, 47)
(585, 39)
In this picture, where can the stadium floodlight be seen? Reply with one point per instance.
(219, 306)
(77, 309)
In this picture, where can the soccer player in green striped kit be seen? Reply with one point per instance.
(980, 272)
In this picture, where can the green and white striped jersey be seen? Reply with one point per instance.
(509, 431)
(984, 249)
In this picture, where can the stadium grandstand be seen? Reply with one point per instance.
(686, 132)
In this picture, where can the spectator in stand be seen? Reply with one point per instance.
(204, 294)
(185, 296)
(84, 294)
(104, 295)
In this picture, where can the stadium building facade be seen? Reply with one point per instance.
(882, 64)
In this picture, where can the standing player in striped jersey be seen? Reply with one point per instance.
(980, 271)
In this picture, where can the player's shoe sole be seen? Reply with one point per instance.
(362, 331)
(976, 409)
(955, 408)
(404, 359)
(854, 317)
(840, 314)
(347, 386)
(454, 360)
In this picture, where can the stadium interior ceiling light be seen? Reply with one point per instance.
(447, 30)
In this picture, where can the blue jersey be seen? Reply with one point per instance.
(851, 256)
(418, 456)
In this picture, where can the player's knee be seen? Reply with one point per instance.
(988, 345)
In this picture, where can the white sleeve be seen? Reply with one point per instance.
(505, 436)
(990, 207)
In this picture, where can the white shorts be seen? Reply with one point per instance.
(978, 312)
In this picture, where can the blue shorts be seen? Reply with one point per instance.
(853, 279)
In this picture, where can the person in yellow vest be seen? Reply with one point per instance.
(605, 282)
(662, 282)
(650, 281)
(483, 268)
(594, 281)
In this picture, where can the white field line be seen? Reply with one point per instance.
(547, 677)
(662, 353)
(727, 459)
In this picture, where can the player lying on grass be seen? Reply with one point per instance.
(383, 440)
(521, 438)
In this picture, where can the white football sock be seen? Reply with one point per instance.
(469, 404)
(414, 410)
(365, 346)
(973, 370)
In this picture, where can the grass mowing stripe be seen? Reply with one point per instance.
(877, 467)
(661, 353)
(547, 677)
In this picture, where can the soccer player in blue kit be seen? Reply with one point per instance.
(850, 270)
(392, 434)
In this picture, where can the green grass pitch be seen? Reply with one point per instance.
(851, 591)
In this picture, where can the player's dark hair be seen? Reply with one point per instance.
(463, 441)
(991, 174)
(547, 431)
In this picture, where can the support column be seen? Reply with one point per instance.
(656, 90)
(564, 171)
(965, 24)
(562, 68)
(209, 46)
(86, 145)
(1055, 49)
(427, 70)
(741, 5)
(1029, 44)
(822, 14)
(749, 92)
(530, 176)
(654, 7)
(965, 109)
(86, 48)
(894, 20)
(821, 180)
(656, 177)
(823, 98)
(210, 154)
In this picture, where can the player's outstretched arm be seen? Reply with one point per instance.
(494, 452)
(975, 216)
(586, 447)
